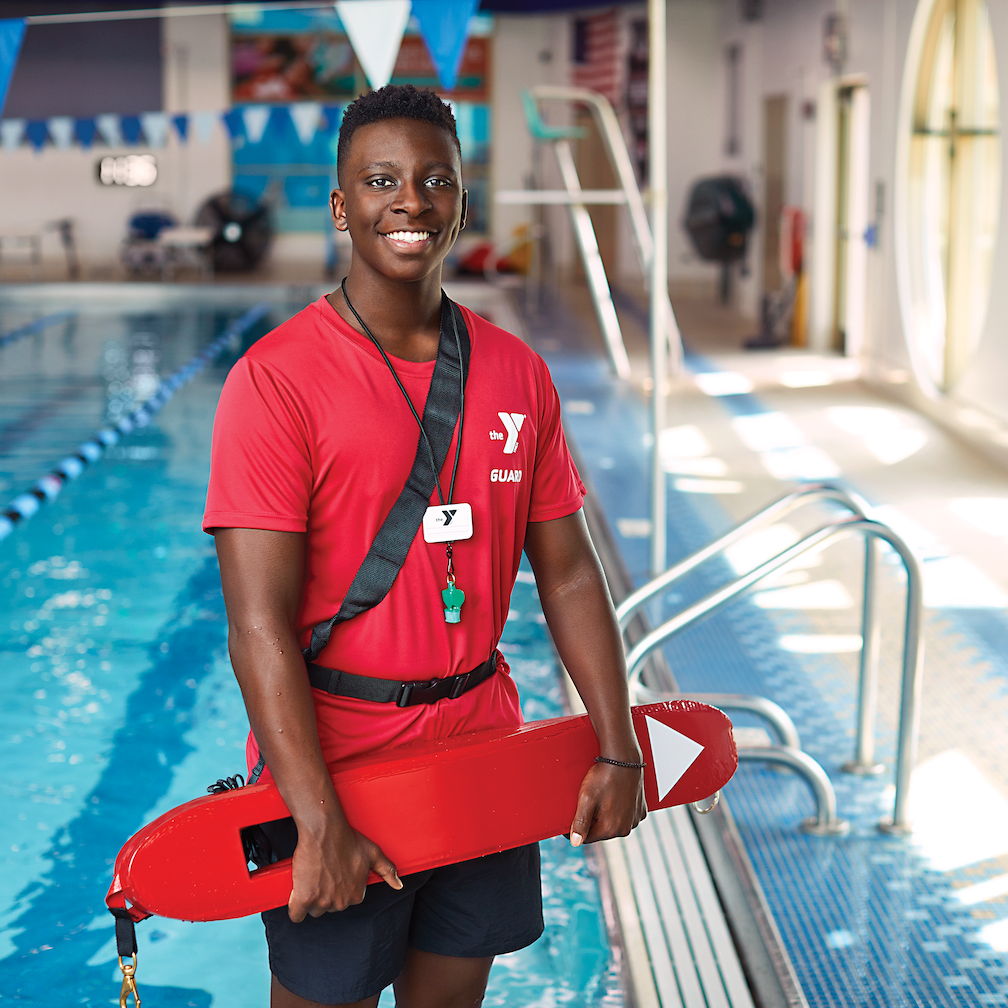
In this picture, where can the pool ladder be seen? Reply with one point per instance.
(788, 752)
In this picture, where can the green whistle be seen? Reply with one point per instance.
(453, 599)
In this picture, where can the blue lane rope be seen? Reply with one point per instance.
(48, 488)
(30, 328)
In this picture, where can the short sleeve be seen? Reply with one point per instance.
(260, 463)
(557, 490)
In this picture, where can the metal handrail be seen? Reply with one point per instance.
(871, 631)
(825, 822)
(808, 494)
(770, 712)
(913, 644)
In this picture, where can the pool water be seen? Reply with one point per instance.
(118, 701)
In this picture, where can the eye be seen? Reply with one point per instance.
(381, 182)
(437, 183)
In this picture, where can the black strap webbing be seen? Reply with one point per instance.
(388, 552)
(125, 932)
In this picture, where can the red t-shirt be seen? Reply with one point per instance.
(313, 435)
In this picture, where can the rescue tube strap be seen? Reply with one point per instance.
(125, 932)
(402, 694)
(388, 552)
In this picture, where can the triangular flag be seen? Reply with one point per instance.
(11, 35)
(444, 25)
(305, 116)
(256, 118)
(155, 128)
(61, 129)
(181, 122)
(204, 123)
(11, 132)
(108, 126)
(234, 123)
(375, 29)
(84, 130)
(333, 117)
(672, 754)
(37, 133)
(130, 126)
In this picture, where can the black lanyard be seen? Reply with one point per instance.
(445, 309)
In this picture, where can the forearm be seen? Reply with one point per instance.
(583, 623)
(271, 672)
(579, 611)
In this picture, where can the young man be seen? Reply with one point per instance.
(313, 442)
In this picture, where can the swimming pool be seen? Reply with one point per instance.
(118, 701)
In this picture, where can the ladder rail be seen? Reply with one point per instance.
(913, 641)
(808, 494)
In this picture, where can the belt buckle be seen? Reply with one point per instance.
(422, 691)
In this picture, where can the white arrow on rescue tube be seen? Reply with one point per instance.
(673, 754)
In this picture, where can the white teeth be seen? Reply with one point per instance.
(409, 236)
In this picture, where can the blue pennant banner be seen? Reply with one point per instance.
(37, 132)
(11, 34)
(182, 126)
(85, 130)
(129, 126)
(235, 124)
(444, 25)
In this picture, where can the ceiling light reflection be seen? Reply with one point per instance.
(821, 643)
(958, 816)
(722, 383)
(805, 379)
(682, 442)
(817, 595)
(702, 486)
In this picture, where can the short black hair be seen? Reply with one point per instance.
(394, 101)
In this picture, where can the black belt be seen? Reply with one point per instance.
(402, 694)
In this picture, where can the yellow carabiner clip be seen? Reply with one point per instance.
(129, 983)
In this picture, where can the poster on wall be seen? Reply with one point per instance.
(288, 68)
(279, 58)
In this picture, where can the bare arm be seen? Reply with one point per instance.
(261, 573)
(579, 611)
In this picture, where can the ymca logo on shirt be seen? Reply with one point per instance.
(512, 425)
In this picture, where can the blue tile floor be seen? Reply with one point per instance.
(868, 919)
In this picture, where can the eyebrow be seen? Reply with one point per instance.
(393, 164)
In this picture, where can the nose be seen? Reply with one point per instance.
(412, 199)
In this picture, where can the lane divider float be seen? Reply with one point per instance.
(31, 328)
(49, 486)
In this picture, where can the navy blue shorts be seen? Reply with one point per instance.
(484, 907)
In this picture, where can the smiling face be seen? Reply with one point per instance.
(401, 198)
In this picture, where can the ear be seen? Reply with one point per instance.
(465, 209)
(337, 206)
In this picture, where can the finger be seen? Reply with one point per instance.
(583, 818)
(297, 909)
(383, 867)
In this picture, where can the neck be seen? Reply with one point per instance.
(403, 316)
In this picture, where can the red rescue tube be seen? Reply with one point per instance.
(426, 804)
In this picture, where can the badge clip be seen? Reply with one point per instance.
(447, 523)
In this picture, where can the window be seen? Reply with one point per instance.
(953, 175)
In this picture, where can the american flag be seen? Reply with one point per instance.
(597, 63)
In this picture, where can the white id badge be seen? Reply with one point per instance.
(447, 523)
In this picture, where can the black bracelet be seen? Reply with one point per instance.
(616, 762)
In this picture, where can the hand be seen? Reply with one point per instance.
(610, 803)
(331, 873)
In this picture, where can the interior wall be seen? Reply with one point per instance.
(197, 75)
(527, 51)
(87, 69)
(55, 183)
(696, 101)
